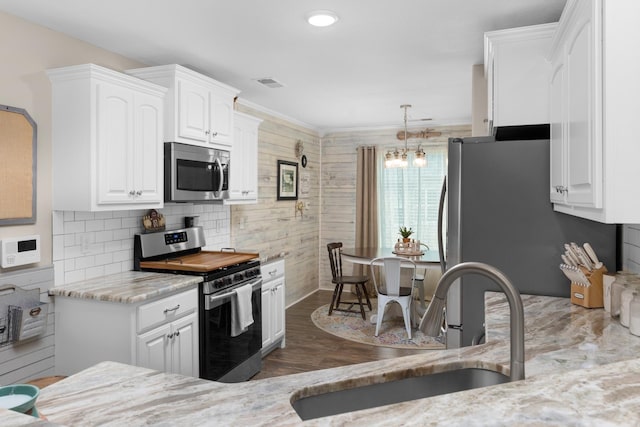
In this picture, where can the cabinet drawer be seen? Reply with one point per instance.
(272, 270)
(167, 309)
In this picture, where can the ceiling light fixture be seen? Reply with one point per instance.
(398, 159)
(322, 18)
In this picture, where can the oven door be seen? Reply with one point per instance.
(224, 357)
(194, 173)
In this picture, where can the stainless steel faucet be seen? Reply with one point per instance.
(432, 320)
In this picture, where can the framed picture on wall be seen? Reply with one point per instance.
(287, 180)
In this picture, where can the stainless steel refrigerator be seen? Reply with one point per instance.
(498, 212)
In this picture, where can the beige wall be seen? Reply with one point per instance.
(273, 226)
(27, 51)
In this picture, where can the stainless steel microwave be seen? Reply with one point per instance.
(195, 174)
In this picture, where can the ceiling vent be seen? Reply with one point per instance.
(269, 82)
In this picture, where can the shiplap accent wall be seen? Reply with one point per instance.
(271, 226)
(93, 244)
(338, 182)
(631, 247)
(34, 358)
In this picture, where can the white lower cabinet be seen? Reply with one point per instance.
(273, 310)
(161, 334)
(169, 348)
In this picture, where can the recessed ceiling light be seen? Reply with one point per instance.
(322, 18)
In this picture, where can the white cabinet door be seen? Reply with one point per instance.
(582, 153)
(517, 74)
(243, 183)
(184, 346)
(273, 305)
(193, 111)
(147, 149)
(154, 349)
(267, 330)
(557, 115)
(221, 118)
(277, 309)
(114, 138)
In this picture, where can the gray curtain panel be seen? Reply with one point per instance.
(366, 205)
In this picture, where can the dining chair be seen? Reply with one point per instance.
(419, 280)
(339, 280)
(392, 290)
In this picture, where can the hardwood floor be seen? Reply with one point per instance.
(309, 348)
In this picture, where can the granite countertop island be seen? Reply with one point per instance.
(581, 369)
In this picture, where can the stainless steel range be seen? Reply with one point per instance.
(227, 354)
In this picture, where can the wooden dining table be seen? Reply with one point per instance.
(428, 260)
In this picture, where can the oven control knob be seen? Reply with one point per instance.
(238, 277)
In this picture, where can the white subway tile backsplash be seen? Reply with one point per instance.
(104, 215)
(95, 225)
(83, 216)
(74, 226)
(74, 276)
(57, 223)
(93, 272)
(92, 244)
(58, 248)
(113, 224)
(631, 247)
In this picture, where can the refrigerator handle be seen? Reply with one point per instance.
(440, 219)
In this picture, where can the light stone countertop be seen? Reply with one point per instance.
(129, 287)
(581, 369)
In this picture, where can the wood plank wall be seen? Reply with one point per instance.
(273, 226)
(34, 358)
(338, 183)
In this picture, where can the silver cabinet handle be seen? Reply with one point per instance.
(214, 134)
(207, 132)
(167, 310)
(139, 193)
(176, 334)
(273, 272)
(132, 193)
(561, 189)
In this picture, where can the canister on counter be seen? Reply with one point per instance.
(618, 285)
(634, 315)
(607, 281)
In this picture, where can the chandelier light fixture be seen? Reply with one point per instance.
(398, 158)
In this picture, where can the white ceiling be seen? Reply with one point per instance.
(356, 74)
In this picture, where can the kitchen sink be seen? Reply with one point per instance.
(396, 391)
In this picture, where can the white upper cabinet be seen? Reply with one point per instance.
(199, 108)
(243, 180)
(107, 140)
(517, 72)
(593, 86)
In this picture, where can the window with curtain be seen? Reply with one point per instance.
(409, 197)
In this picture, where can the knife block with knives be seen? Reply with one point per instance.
(582, 267)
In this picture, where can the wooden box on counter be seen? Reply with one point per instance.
(589, 296)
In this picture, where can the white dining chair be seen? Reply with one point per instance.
(419, 280)
(392, 290)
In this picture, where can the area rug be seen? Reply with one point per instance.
(351, 326)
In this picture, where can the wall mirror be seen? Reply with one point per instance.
(18, 136)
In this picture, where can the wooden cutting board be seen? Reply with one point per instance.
(203, 261)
